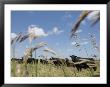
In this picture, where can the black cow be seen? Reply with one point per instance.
(74, 58)
(57, 62)
(17, 60)
(81, 66)
(13, 59)
(20, 61)
(29, 60)
(32, 60)
(84, 66)
(53, 58)
(43, 61)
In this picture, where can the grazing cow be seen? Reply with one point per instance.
(20, 61)
(57, 62)
(32, 60)
(60, 62)
(52, 58)
(29, 60)
(84, 65)
(43, 61)
(17, 60)
(36, 60)
(13, 59)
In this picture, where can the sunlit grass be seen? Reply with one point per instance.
(49, 70)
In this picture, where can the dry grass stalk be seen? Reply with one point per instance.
(13, 40)
(18, 69)
(93, 41)
(28, 51)
(82, 16)
(23, 37)
(17, 38)
(50, 51)
(28, 54)
(39, 45)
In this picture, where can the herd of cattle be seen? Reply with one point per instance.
(75, 61)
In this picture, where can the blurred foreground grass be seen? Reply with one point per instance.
(49, 70)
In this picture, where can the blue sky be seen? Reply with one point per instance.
(57, 25)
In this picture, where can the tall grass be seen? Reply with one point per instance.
(81, 18)
(49, 70)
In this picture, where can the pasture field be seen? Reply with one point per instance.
(49, 70)
(71, 45)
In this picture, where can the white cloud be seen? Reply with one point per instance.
(49, 50)
(79, 31)
(83, 43)
(73, 43)
(93, 15)
(36, 31)
(56, 30)
(13, 35)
